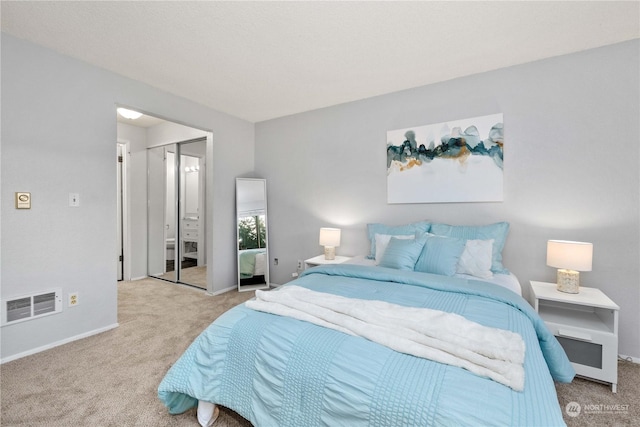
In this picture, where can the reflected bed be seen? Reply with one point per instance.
(252, 266)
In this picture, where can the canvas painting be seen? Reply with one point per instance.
(456, 161)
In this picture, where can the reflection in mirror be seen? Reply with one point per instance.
(252, 234)
(161, 246)
(193, 269)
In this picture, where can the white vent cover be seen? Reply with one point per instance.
(32, 306)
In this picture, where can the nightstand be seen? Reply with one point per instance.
(319, 260)
(586, 325)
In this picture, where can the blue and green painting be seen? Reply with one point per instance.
(457, 161)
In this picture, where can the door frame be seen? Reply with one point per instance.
(126, 219)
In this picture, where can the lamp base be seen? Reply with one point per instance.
(568, 281)
(329, 252)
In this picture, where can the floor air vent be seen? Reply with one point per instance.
(32, 306)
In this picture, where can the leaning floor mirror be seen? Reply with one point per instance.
(251, 227)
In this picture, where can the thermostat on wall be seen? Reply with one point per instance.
(23, 200)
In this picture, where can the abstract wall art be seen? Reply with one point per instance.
(456, 161)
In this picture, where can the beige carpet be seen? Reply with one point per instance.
(195, 276)
(111, 379)
(598, 405)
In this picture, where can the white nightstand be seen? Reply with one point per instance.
(319, 260)
(586, 325)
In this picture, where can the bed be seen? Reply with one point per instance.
(278, 370)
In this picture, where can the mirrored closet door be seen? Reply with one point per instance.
(175, 214)
(252, 233)
(161, 205)
(193, 268)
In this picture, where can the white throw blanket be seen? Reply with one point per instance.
(431, 334)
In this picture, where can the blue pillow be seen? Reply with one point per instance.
(393, 230)
(497, 232)
(440, 255)
(402, 254)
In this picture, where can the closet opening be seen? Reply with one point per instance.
(162, 201)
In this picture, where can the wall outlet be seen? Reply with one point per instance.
(73, 299)
(300, 265)
(275, 261)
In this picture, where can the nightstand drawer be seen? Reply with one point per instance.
(579, 334)
(592, 353)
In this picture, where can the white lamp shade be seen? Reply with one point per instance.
(569, 255)
(330, 237)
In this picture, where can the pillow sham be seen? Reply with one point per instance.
(382, 241)
(393, 230)
(402, 254)
(476, 259)
(497, 232)
(440, 255)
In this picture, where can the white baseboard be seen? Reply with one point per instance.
(630, 358)
(58, 343)
(222, 291)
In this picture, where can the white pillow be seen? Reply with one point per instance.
(476, 259)
(382, 240)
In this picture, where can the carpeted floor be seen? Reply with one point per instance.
(111, 379)
(195, 276)
(598, 406)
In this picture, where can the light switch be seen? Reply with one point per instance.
(74, 200)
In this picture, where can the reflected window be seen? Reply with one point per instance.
(252, 232)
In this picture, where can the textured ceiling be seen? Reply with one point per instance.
(260, 60)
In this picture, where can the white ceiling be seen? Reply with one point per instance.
(261, 60)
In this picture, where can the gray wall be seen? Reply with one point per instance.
(59, 136)
(570, 170)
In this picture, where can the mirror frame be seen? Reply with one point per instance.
(252, 286)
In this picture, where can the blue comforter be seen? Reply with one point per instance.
(278, 371)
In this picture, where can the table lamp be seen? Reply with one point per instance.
(569, 258)
(329, 238)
